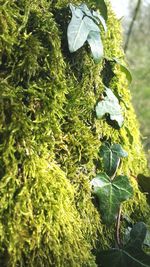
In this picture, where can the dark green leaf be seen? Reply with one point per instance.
(96, 45)
(110, 194)
(127, 235)
(137, 235)
(102, 7)
(111, 155)
(110, 105)
(124, 69)
(124, 258)
(131, 255)
(147, 238)
(144, 182)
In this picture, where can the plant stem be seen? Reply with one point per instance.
(118, 228)
(132, 24)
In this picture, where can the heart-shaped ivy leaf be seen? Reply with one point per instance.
(110, 105)
(131, 254)
(111, 193)
(111, 155)
(84, 27)
(78, 30)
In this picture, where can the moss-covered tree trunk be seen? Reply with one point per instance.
(50, 137)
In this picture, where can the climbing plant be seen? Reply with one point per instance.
(84, 27)
(111, 190)
(66, 119)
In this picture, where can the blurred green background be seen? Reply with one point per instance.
(138, 57)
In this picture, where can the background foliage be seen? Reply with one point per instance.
(139, 57)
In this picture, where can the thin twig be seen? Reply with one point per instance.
(132, 24)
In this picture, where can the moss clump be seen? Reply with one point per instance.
(48, 226)
(49, 137)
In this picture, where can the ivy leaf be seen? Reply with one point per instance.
(96, 45)
(83, 7)
(93, 15)
(127, 235)
(147, 238)
(76, 11)
(111, 155)
(111, 193)
(124, 69)
(77, 30)
(131, 254)
(146, 241)
(99, 18)
(110, 105)
(83, 27)
(102, 7)
(137, 236)
(144, 183)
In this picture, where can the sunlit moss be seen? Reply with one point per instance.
(50, 137)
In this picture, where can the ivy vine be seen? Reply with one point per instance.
(109, 188)
(129, 254)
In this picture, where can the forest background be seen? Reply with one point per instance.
(138, 58)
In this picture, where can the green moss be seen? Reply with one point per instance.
(44, 221)
(50, 137)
